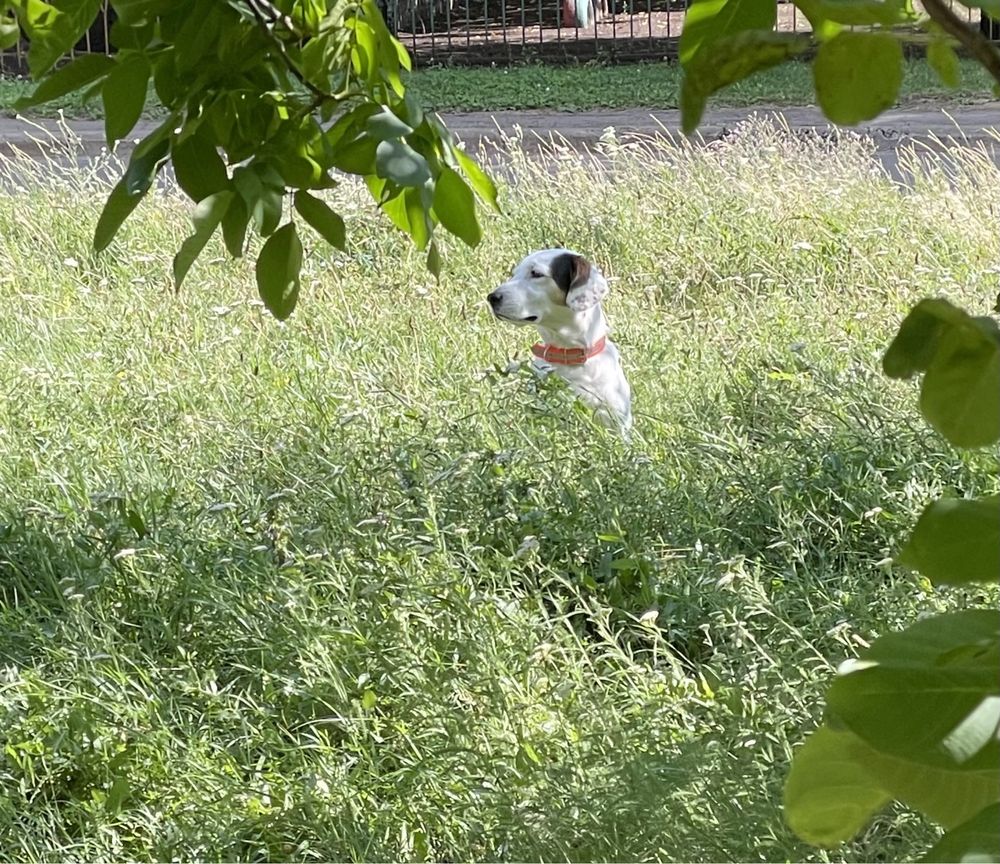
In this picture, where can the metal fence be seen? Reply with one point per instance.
(476, 32)
(505, 31)
(502, 32)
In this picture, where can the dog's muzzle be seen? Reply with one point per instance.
(496, 301)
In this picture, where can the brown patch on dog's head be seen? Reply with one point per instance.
(583, 285)
(570, 271)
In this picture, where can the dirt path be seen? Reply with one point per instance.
(896, 127)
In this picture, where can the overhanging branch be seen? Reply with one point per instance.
(981, 49)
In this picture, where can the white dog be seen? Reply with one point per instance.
(560, 292)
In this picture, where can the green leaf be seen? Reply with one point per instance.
(368, 700)
(234, 226)
(10, 31)
(960, 396)
(944, 61)
(391, 56)
(167, 83)
(146, 159)
(408, 208)
(124, 96)
(707, 21)
(975, 841)
(857, 76)
(530, 752)
(199, 169)
(278, 267)
(136, 523)
(364, 56)
(858, 12)
(207, 215)
(829, 793)
(299, 170)
(397, 161)
(53, 29)
(434, 260)
(915, 713)
(127, 37)
(408, 211)
(385, 125)
(348, 124)
(263, 199)
(118, 794)
(960, 355)
(956, 541)
(136, 13)
(838, 782)
(484, 187)
(915, 345)
(404, 56)
(946, 796)
(266, 210)
(931, 641)
(198, 34)
(117, 209)
(912, 693)
(381, 190)
(455, 207)
(731, 59)
(418, 207)
(822, 27)
(66, 79)
(321, 219)
(413, 111)
(356, 157)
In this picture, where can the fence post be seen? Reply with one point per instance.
(989, 27)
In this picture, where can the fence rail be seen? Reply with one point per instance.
(502, 32)
(472, 32)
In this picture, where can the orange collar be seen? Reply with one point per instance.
(567, 356)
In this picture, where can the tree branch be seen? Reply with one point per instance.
(267, 16)
(981, 49)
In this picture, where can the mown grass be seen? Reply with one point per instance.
(653, 85)
(583, 87)
(356, 587)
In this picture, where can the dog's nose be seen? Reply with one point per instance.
(494, 299)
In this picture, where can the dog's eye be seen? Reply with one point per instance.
(536, 275)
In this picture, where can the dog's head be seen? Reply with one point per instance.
(547, 288)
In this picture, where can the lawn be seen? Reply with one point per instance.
(589, 86)
(357, 587)
(653, 85)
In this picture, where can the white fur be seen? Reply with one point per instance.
(569, 319)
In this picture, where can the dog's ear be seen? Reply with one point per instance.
(584, 285)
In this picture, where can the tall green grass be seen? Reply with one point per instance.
(358, 587)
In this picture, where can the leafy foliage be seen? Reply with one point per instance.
(856, 74)
(916, 717)
(940, 547)
(960, 358)
(263, 99)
